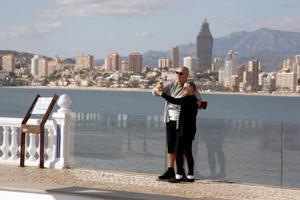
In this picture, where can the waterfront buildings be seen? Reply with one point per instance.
(135, 62)
(85, 62)
(204, 47)
(8, 63)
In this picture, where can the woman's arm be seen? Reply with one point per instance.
(173, 100)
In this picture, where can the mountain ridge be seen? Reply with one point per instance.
(269, 46)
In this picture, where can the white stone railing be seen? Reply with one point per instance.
(59, 132)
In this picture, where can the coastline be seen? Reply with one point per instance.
(149, 90)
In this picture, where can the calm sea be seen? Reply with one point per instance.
(14, 102)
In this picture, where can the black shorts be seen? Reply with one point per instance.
(171, 136)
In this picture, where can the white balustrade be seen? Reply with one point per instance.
(14, 145)
(5, 144)
(59, 128)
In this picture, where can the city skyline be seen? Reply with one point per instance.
(68, 28)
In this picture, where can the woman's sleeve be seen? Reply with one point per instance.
(173, 100)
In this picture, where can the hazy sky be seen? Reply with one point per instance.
(69, 27)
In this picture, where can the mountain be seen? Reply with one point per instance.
(269, 46)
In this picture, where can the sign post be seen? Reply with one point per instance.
(40, 106)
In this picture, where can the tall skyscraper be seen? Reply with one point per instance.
(175, 57)
(8, 63)
(113, 62)
(135, 62)
(85, 62)
(204, 47)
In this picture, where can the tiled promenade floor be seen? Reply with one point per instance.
(123, 185)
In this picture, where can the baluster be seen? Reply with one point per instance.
(32, 149)
(5, 144)
(14, 145)
(50, 149)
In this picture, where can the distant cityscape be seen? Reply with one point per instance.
(210, 74)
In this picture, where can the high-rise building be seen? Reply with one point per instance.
(43, 67)
(231, 66)
(204, 47)
(240, 73)
(113, 62)
(191, 63)
(175, 57)
(85, 62)
(135, 62)
(253, 68)
(35, 66)
(8, 63)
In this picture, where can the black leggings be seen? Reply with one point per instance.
(184, 146)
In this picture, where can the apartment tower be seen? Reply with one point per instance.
(253, 68)
(85, 62)
(113, 62)
(135, 62)
(175, 57)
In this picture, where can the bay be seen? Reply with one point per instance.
(14, 102)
